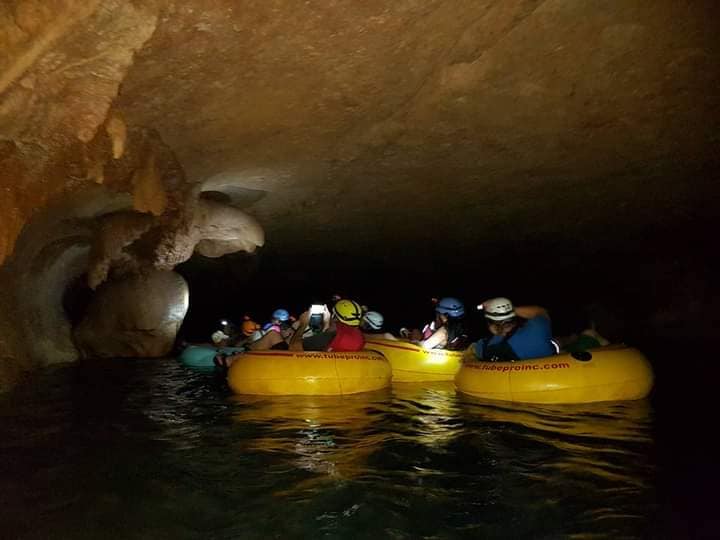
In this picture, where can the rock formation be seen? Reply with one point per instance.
(503, 126)
(137, 316)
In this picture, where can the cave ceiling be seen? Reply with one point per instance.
(379, 127)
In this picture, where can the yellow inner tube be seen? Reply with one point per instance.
(605, 374)
(283, 373)
(412, 363)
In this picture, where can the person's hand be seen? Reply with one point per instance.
(326, 318)
(287, 333)
(304, 318)
(469, 354)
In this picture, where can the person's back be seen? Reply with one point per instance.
(379, 335)
(347, 339)
(532, 339)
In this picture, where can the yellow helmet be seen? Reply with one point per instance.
(348, 312)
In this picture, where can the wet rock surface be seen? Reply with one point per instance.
(137, 316)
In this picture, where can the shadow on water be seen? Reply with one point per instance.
(151, 450)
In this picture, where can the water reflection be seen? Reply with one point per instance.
(432, 409)
(571, 455)
(625, 421)
(416, 460)
(587, 464)
(328, 435)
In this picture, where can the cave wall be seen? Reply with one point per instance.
(135, 316)
(113, 232)
(55, 96)
(509, 113)
(496, 121)
(71, 168)
(500, 126)
(52, 252)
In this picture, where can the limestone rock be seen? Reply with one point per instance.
(221, 229)
(506, 113)
(13, 355)
(473, 118)
(116, 231)
(138, 316)
(61, 64)
(369, 128)
(128, 242)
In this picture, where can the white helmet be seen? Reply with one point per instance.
(219, 336)
(498, 309)
(373, 320)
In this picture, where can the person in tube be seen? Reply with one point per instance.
(518, 333)
(447, 331)
(346, 337)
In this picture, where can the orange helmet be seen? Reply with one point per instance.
(249, 326)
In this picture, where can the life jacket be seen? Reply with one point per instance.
(428, 330)
(271, 327)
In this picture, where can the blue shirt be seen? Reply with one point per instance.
(531, 340)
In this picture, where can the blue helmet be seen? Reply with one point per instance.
(281, 315)
(452, 307)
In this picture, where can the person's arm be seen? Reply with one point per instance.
(416, 335)
(267, 342)
(591, 332)
(326, 319)
(565, 340)
(470, 354)
(438, 339)
(530, 312)
(295, 343)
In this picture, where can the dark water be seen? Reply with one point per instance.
(148, 449)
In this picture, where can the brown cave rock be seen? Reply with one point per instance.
(137, 316)
(405, 132)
